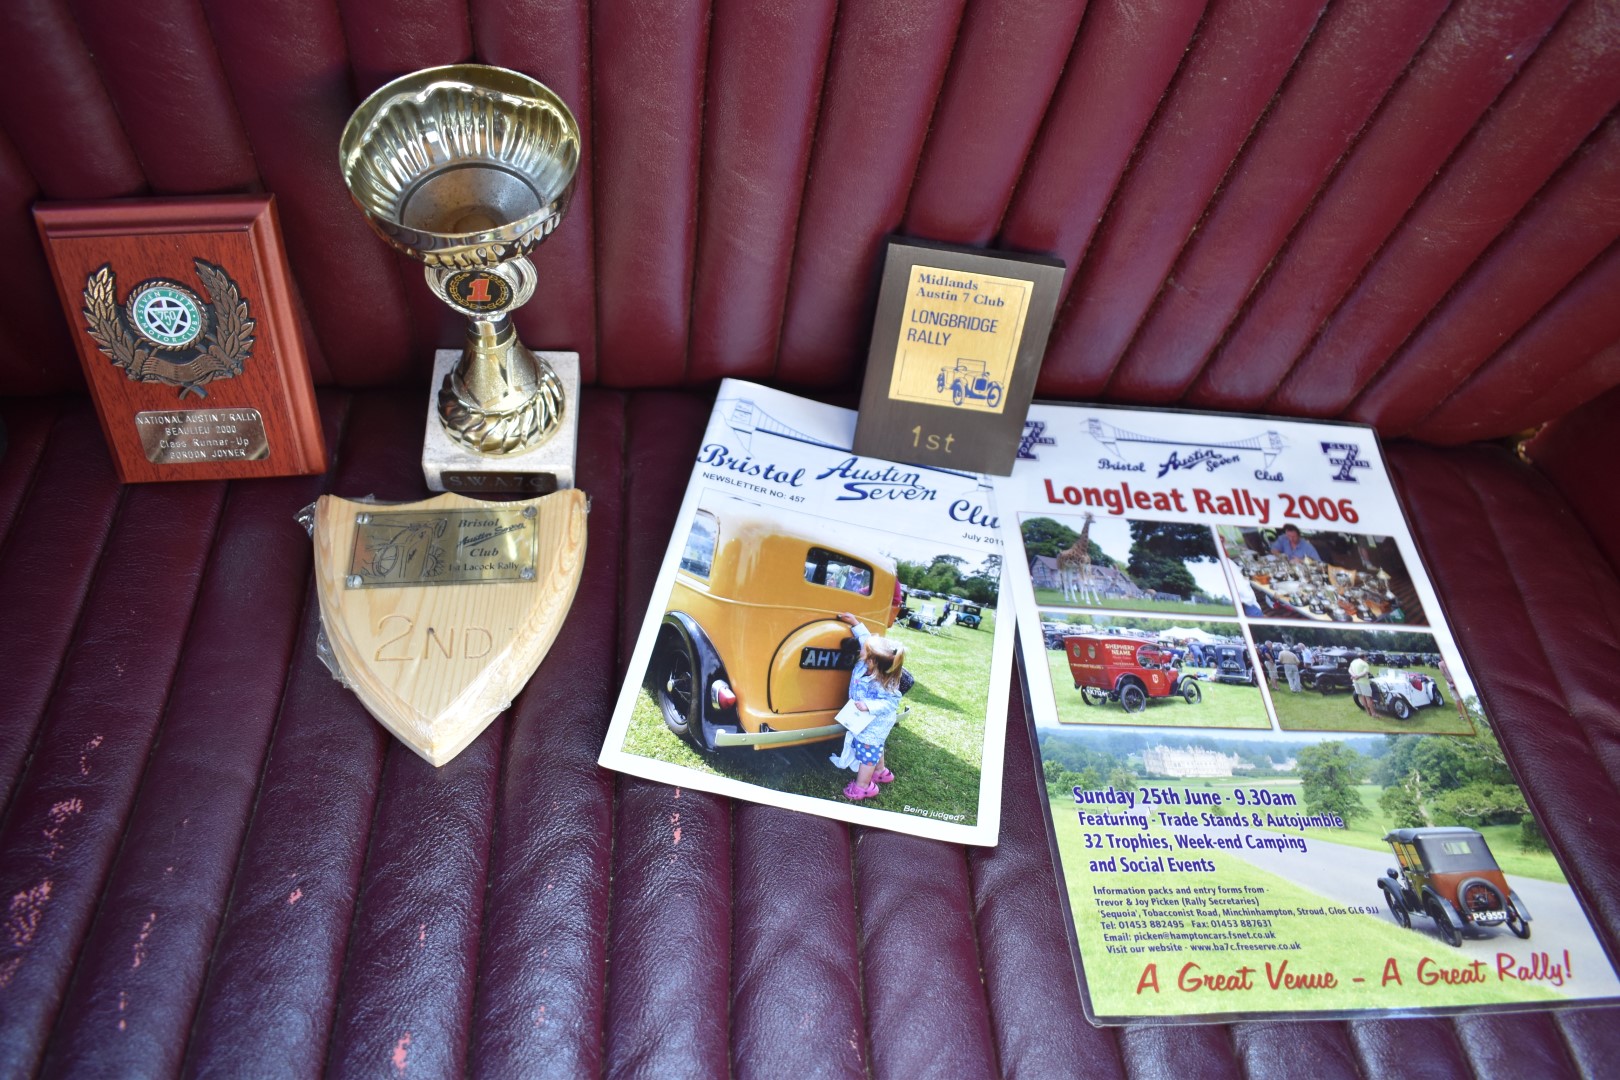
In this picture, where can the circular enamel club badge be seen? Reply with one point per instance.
(166, 313)
(478, 291)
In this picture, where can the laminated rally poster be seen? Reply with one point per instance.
(1273, 789)
(824, 634)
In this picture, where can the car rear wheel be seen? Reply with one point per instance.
(993, 398)
(674, 686)
(1190, 691)
(1401, 708)
(1448, 933)
(1133, 698)
(1397, 909)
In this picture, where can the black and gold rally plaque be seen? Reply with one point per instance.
(956, 345)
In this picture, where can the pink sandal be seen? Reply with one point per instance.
(883, 776)
(855, 793)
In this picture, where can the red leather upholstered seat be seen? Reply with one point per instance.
(212, 861)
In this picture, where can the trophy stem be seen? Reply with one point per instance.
(500, 398)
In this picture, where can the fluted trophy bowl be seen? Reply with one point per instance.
(466, 168)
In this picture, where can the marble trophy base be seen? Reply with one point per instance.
(450, 466)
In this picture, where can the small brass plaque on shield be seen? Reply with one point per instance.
(178, 436)
(394, 548)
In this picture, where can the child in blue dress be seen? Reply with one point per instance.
(874, 687)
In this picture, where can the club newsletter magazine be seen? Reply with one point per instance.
(1273, 788)
(825, 632)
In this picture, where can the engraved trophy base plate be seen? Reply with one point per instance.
(549, 467)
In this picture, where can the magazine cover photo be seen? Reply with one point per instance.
(772, 613)
(1363, 679)
(824, 633)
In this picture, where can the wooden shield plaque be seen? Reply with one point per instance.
(182, 312)
(437, 612)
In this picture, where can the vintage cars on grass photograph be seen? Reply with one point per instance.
(1138, 670)
(751, 663)
(1411, 694)
(1449, 876)
(1093, 560)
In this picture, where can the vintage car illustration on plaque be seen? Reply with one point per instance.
(969, 380)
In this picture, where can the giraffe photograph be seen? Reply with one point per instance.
(1123, 564)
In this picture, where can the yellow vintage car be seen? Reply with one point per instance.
(751, 652)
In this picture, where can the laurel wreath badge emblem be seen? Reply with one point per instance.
(164, 317)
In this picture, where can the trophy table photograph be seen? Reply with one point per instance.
(466, 168)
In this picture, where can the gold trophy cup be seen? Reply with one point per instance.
(466, 168)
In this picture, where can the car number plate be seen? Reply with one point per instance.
(827, 659)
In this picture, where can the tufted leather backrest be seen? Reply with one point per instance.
(1399, 212)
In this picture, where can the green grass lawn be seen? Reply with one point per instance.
(1222, 706)
(1054, 598)
(1368, 832)
(1311, 711)
(1349, 945)
(935, 751)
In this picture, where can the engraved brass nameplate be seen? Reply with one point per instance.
(177, 436)
(484, 483)
(393, 548)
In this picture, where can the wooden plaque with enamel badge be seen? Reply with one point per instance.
(182, 312)
(956, 346)
(436, 613)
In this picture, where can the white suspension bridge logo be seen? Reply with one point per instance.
(745, 419)
(1268, 445)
